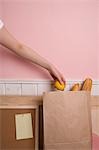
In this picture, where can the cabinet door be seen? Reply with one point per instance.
(8, 130)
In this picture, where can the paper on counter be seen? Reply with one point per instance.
(24, 128)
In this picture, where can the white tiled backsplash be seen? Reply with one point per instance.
(37, 87)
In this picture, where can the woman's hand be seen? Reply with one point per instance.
(56, 75)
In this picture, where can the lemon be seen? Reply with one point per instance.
(59, 86)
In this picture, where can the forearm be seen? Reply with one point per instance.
(32, 56)
(7, 40)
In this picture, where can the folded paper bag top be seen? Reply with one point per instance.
(67, 120)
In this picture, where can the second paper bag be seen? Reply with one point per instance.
(67, 120)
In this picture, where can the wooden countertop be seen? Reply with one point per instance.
(31, 101)
(20, 101)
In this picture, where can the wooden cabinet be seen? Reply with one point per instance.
(9, 107)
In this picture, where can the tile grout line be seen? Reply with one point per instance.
(21, 89)
(37, 89)
(5, 88)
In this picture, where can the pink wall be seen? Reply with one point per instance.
(63, 31)
(98, 34)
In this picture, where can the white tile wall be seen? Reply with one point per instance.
(2, 89)
(67, 88)
(13, 89)
(95, 89)
(28, 87)
(44, 87)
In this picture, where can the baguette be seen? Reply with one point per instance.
(87, 85)
(76, 87)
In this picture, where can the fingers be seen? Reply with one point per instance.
(56, 75)
(61, 79)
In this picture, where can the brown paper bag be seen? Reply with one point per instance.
(67, 120)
